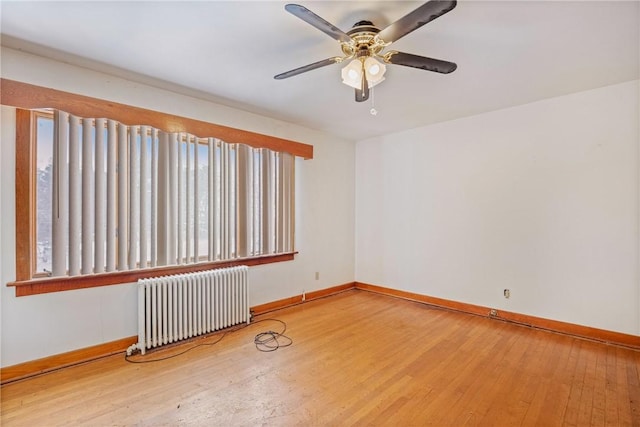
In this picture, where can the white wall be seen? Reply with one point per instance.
(541, 199)
(41, 325)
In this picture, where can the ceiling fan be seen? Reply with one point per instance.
(365, 42)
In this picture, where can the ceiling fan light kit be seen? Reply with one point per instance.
(352, 73)
(363, 47)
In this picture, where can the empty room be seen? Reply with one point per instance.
(238, 213)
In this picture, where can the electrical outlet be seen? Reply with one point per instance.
(507, 293)
(493, 312)
(317, 275)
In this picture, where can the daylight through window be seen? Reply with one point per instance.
(111, 197)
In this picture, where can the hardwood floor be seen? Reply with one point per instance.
(356, 358)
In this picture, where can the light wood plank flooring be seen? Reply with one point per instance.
(357, 358)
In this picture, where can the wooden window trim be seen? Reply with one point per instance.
(67, 283)
(25, 195)
(31, 97)
(25, 97)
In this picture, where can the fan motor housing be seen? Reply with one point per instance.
(364, 43)
(363, 27)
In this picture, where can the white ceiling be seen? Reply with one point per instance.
(508, 53)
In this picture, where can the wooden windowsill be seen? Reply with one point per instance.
(58, 284)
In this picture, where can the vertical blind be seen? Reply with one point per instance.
(130, 197)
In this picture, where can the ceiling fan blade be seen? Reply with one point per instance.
(421, 62)
(313, 19)
(362, 94)
(309, 67)
(416, 19)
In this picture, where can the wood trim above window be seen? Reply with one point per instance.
(28, 96)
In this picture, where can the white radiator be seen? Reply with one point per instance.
(173, 308)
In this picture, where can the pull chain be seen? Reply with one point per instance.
(373, 110)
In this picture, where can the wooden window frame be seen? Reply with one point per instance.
(26, 97)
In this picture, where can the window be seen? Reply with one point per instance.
(33, 274)
(112, 197)
(43, 179)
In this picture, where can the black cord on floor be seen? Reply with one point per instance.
(264, 341)
(271, 341)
